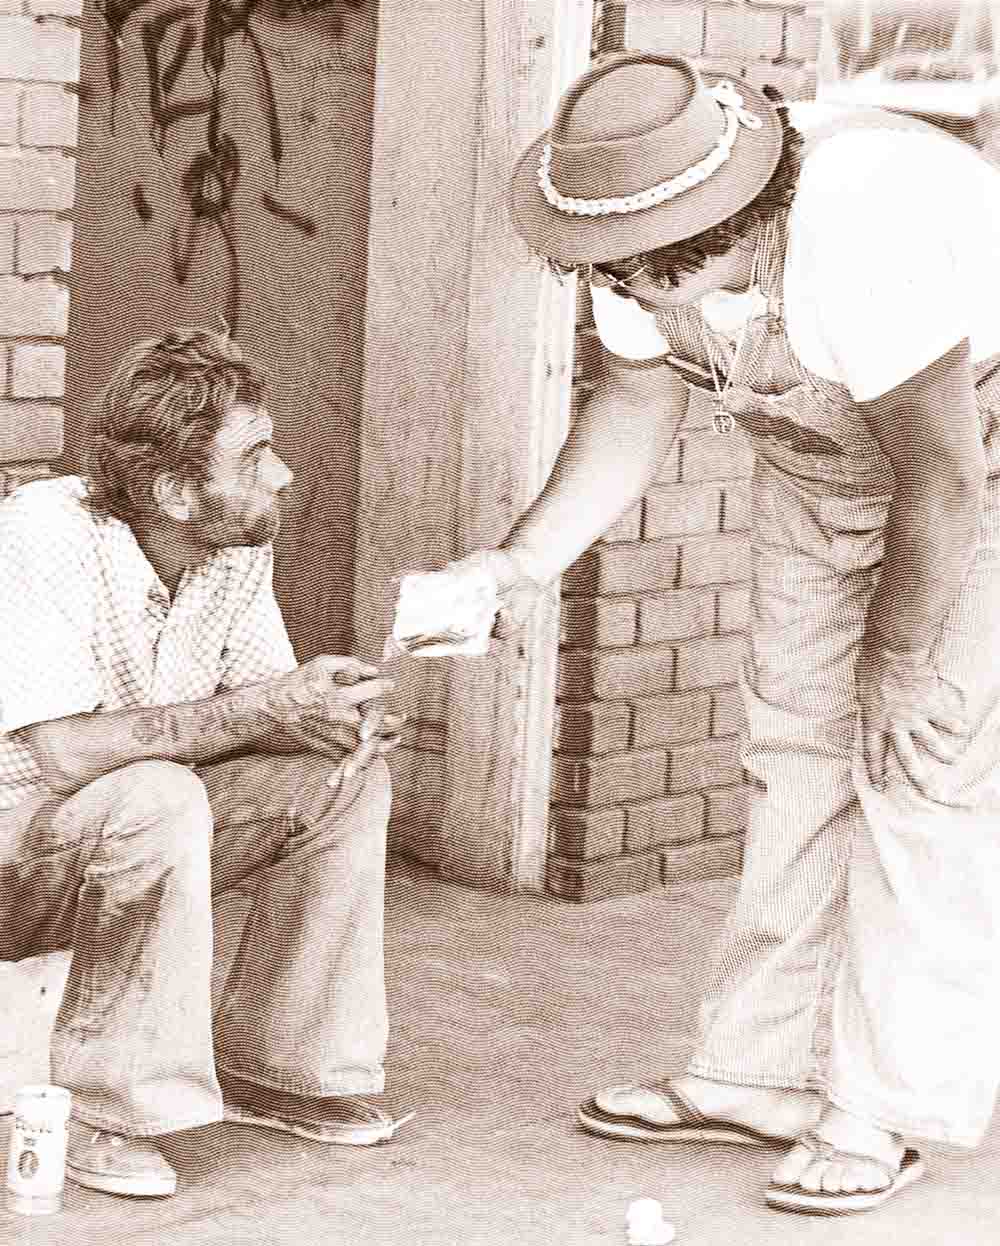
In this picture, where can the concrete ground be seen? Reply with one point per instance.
(506, 1012)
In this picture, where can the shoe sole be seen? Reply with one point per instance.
(135, 1187)
(361, 1135)
(795, 1198)
(608, 1125)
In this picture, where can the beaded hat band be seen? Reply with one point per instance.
(736, 115)
(642, 151)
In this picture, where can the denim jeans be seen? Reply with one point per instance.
(862, 957)
(223, 919)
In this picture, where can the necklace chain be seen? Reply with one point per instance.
(764, 276)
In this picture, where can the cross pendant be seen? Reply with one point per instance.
(722, 421)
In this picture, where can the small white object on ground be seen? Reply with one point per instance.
(444, 614)
(645, 1226)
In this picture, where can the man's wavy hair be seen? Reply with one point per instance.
(677, 260)
(160, 413)
(680, 259)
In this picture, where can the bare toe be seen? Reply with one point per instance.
(833, 1179)
(793, 1165)
(812, 1178)
(867, 1177)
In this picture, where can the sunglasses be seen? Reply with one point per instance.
(617, 274)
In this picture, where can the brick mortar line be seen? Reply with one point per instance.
(566, 807)
(652, 594)
(41, 84)
(19, 150)
(32, 339)
(789, 27)
(572, 757)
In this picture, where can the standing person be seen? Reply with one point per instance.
(852, 1004)
(164, 761)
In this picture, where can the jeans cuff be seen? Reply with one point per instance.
(352, 1082)
(168, 1125)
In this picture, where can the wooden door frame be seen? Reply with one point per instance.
(469, 350)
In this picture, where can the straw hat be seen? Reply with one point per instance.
(642, 152)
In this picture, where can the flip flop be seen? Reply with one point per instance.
(794, 1198)
(691, 1124)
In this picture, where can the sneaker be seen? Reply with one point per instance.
(340, 1120)
(107, 1161)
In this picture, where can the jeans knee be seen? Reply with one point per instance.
(365, 798)
(165, 805)
(375, 795)
(377, 784)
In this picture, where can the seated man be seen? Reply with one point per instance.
(166, 765)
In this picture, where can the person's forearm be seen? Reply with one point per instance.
(607, 463)
(77, 750)
(929, 543)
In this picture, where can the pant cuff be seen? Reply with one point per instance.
(908, 1126)
(167, 1125)
(764, 1079)
(354, 1082)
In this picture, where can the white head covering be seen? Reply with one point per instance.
(630, 332)
(624, 327)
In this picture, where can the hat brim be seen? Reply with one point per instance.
(579, 239)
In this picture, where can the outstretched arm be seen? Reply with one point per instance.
(306, 710)
(623, 432)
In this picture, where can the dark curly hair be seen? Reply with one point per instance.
(679, 259)
(160, 412)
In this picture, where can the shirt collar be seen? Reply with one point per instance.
(145, 573)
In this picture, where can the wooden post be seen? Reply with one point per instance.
(467, 381)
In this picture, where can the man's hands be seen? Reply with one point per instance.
(520, 584)
(330, 705)
(378, 735)
(904, 704)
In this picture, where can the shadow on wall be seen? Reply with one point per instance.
(237, 194)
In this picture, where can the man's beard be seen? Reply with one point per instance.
(220, 525)
(264, 529)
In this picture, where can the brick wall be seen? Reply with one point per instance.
(39, 67)
(648, 787)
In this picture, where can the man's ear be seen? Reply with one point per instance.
(174, 497)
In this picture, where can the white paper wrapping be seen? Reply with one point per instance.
(444, 614)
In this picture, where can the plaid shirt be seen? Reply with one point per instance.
(87, 625)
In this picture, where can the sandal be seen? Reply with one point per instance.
(613, 1113)
(794, 1198)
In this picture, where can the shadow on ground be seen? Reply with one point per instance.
(506, 1012)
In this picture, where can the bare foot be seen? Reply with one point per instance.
(779, 1114)
(802, 1166)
